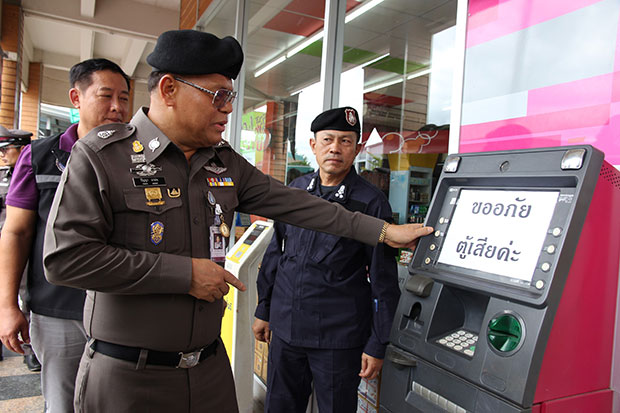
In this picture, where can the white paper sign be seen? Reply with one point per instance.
(499, 232)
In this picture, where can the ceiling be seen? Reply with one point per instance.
(60, 33)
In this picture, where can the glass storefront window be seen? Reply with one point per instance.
(283, 56)
(406, 52)
(396, 71)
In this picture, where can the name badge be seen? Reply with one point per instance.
(149, 181)
(217, 245)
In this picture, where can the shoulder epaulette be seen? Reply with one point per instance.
(103, 135)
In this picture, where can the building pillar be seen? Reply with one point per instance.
(276, 152)
(31, 100)
(12, 35)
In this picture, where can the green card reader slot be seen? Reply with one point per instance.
(505, 333)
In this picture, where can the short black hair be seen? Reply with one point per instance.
(154, 79)
(81, 73)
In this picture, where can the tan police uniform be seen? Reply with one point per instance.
(128, 216)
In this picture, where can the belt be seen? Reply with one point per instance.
(177, 359)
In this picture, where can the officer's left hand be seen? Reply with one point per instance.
(370, 367)
(405, 236)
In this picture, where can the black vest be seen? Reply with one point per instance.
(48, 161)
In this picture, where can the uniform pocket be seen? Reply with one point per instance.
(146, 223)
(323, 245)
(226, 197)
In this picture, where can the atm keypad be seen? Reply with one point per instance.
(461, 341)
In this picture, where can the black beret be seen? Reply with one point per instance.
(343, 119)
(13, 137)
(191, 52)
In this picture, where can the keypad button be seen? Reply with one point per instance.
(450, 345)
(468, 352)
(457, 347)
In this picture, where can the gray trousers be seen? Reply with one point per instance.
(58, 344)
(107, 384)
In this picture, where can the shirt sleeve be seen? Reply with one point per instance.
(384, 290)
(23, 191)
(262, 195)
(268, 271)
(76, 251)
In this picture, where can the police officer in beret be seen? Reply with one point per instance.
(325, 302)
(133, 222)
(12, 142)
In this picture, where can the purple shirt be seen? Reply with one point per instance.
(23, 192)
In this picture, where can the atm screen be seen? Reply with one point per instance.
(499, 232)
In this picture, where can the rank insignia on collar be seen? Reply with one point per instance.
(145, 169)
(220, 182)
(153, 196)
(137, 146)
(139, 158)
(105, 134)
(215, 169)
(157, 232)
(154, 144)
(340, 193)
(174, 192)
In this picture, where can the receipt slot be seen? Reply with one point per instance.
(242, 261)
(510, 306)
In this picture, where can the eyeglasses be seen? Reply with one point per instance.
(4, 149)
(220, 97)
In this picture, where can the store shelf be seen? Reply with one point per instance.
(410, 193)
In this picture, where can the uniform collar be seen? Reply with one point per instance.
(341, 194)
(149, 135)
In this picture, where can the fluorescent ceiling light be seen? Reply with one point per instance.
(381, 85)
(376, 59)
(361, 10)
(270, 66)
(317, 36)
(419, 73)
(301, 46)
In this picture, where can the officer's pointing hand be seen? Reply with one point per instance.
(405, 236)
(210, 281)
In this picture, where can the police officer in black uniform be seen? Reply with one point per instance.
(328, 300)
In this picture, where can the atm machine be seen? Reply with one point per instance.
(511, 305)
(242, 261)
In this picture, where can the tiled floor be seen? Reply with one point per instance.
(20, 389)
